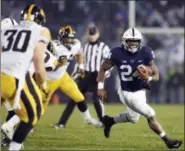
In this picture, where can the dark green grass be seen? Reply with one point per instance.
(79, 136)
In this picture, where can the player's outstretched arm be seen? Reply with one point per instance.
(106, 65)
(155, 75)
(80, 61)
(38, 60)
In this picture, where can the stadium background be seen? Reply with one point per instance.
(112, 19)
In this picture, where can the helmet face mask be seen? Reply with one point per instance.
(132, 39)
(66, 35)
(132, 45)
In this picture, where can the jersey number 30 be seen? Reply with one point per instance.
(17, 40)
(125, 74)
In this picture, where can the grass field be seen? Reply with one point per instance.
(79, 136)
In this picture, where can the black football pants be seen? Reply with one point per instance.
(86, 84)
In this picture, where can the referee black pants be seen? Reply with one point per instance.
(86, 84)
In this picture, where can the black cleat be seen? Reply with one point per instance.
(107, 122)
(173, 144)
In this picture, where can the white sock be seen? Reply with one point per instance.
(13, 121)
(121, 118)
(103, 109)
(86, 114)
(15, 146)
(162, 134)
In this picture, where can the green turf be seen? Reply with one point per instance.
(79, 136)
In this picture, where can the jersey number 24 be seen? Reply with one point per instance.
(125, 75)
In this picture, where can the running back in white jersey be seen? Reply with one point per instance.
(18, 45)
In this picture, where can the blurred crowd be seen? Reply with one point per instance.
(111, 17)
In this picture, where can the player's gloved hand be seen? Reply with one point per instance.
(142, 73)
(81, 71)
(62, 60)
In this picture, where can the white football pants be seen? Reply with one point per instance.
(136, 106)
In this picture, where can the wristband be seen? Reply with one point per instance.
(81, 66)
(150, 79)
(100, 85)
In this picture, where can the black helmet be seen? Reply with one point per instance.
(66, 33)
(33, 13)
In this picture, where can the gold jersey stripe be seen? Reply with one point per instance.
(46, 33)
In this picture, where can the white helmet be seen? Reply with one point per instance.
(131, 39)
(7, 23)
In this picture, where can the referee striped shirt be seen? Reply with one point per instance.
(94, 54)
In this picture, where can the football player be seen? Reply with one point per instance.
(5, 24)
(12, 119)
(129, 58)
(66, 48)
(22, 45)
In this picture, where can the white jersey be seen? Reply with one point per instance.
(61, 50)
(18, 45)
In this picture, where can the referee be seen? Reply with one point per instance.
(94, 51)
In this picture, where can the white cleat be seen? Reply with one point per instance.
(93, 122)
(32, 130)
(57, 126)
(7, 131)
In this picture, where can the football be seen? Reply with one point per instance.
(145, 69)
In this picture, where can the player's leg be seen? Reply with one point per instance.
(137, 102)
(30, 112)
(52, 86)
(66, 114)
(70, 88)
(71, 104)
(7, 128)
(129, 116)
(143, 108)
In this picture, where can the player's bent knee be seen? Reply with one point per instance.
(133, 119)
(79, 99)
(151, 113)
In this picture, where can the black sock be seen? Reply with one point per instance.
(112, 121)
(10, 115)
(82, 106)
(21, 132)
(98, 109)
(67, 112)
(165, 138)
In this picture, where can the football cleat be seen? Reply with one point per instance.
(58, 126)
(93, 122)
(107, 122)
(173, 144)
(7, 131)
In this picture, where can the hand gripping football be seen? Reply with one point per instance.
(145, 69)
